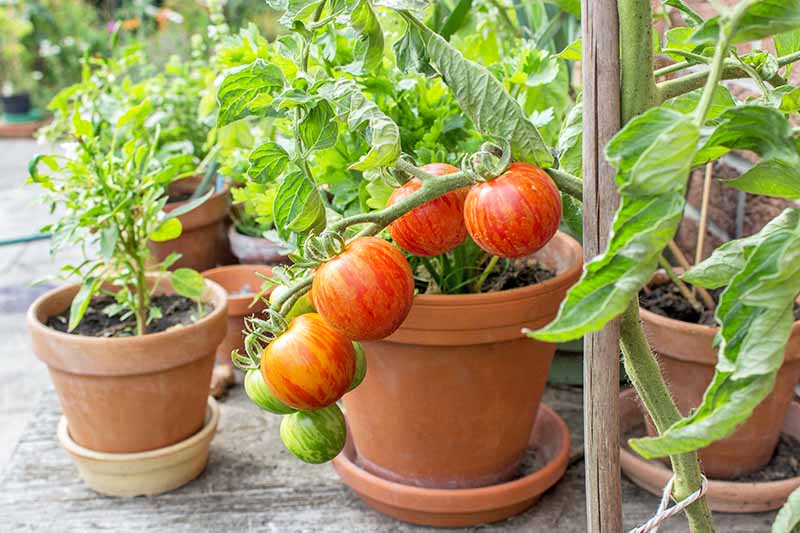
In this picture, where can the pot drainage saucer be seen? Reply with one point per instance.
(722, 496)
(463, 507)
(143, 473)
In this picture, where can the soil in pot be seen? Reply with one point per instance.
(203, 242)
(126, 393)
(450, 398)
(687, 359)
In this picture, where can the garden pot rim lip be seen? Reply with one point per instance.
(566, 277)
(210, 424)
(249, 268)
(652, 468)
(470, 500)
(218, 296)
(674, 324)
(232, 230)
(217, 194)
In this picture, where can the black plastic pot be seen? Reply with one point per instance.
(17, 104)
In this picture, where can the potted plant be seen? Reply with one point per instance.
(130, 350)
(363, 287)
(15, 59)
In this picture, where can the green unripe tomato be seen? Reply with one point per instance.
(259, 394)
(302, 306)
(361, 366)
(315, 436)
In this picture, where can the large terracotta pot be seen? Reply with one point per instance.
(130, 394)
(203, 240)
(255, 250)
(450, 399)
(242, 284)
(687, 358)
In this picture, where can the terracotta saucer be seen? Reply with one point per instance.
(464, 507)
(722, 496)
(144, 473)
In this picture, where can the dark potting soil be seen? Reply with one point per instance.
(179, 197)
(175, 310)
(785, 464)
(516, 273)
(666, 300)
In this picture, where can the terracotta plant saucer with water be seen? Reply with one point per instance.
(722, 496)
(464, 507)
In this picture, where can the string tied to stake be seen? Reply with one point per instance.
(664, 513)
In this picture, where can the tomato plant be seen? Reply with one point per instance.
(365, 291)
(515, 214)
(261, 395)
(315, 436)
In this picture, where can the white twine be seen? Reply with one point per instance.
(663, 514)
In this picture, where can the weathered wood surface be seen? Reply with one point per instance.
(601, 120)
(253, 484)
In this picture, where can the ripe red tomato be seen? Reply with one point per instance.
(436, 226)
(366, 291)
(516, 213)
(310, 365)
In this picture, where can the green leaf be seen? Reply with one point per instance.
(410, 52)
(82, 300)
(188, 206)
(772, 177)
(456, 19)
(188, 283)
(787, 43)
(411, 5)
(360, 112)
(247, 90)
(267, 162)
(368, 48)
(755, 314)
(570, 142)
(763, 130)
(573, 51)
(136, 114)
(790, 100)
(108, 241)
(788, 518)
(318, 129)
(484, 99)
(687, 103)
(169, 229)
(690, 15)
(298, 206)
(572, 211)
(81, 127)
(652, 182)
(760, 20)
(679, 39)
(573, 7)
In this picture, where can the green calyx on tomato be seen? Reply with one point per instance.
(315, 436)
(302, 306)
(260, 394)
(361, 366)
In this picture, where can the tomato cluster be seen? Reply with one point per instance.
(366, 291)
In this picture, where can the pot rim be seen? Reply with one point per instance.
(248, 268)
(217, 194)
(209, 428)
(217, 295)
(566, 277)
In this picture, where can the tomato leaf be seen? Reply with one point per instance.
(787, 43)
(755, 313)
(570, 142)
(368, 48)
(82, 300)
(267, 162)
(188, 283)
(573, 51)
(484, 99)
(410, 52)
(687, 103)
(761, 19)
(318, 129)
(169, 229)
(247, 90)
(774, 177)
(298, 206)
(652, 182)
(690, 15)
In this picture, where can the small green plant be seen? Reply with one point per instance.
(109, 189)
(15, 59)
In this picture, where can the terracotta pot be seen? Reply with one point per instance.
(203, 240)
(130, 394)
(255, 250)
(687, 358)
(450, 398)
(241, 283)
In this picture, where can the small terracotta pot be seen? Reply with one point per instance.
(203, 240)
(450, 398)
(130, 394)
(241, 283)
(687, 358)
(255, 250)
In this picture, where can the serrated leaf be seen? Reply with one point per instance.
(81, 301)
(247, 90)
(368, 48)
(298, 206)
(761, 19)
(169, 229)
(755, 314)
(318, 128)
(484, 99)
(410, 52)
(188, 283)
(267, 162)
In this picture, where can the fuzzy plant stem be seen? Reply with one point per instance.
(639, 93)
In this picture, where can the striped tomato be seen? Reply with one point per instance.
(261, 395)
(516, 213)
(315, 436)
(310, 365)
(436, 226)
(361, 366)
(366, 291)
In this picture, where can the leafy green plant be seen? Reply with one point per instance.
(110, 188)
(15, 59)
